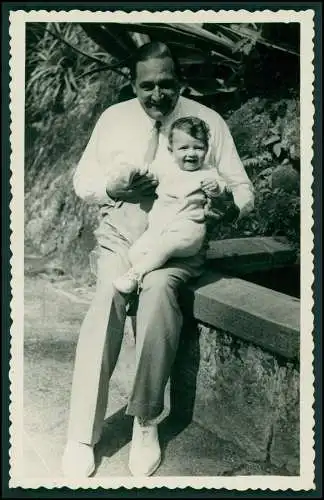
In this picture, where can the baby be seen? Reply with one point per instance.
(176, 223)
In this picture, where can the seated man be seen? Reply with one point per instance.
(129, 129)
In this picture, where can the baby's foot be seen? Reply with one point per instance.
(129, 282)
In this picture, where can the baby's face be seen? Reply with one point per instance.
(188, 152)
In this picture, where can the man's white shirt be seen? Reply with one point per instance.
(121, 136)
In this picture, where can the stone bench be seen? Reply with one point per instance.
(246, 255)
(237, 368)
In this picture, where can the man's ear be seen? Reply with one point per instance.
(170, 148)
(133, 86)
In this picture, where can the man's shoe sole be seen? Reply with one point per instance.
(87, 474)
(91, 470)
(151, 471)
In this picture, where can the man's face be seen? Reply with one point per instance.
(157, 87)
(188, 152)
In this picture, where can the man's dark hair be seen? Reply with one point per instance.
(193, 126)
(153, 50)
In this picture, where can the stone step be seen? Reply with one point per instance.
(256, 314)
(245, 255)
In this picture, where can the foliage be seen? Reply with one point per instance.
(273, 169)
(56, 74)
(214, 57)
(276, 213)
(61, 90)
(56, 222)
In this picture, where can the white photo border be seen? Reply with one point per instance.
(18, 19)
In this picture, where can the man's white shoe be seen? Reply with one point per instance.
(78, 459)
(145, 452)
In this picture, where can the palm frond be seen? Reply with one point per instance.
(110, 37)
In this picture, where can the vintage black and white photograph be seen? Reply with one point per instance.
(161, 224)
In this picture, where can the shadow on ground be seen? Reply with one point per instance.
(52, 322)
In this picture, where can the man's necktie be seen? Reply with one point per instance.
(153, 144)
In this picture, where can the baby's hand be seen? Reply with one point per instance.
(210, 187)
(138, 173)
(142, 171)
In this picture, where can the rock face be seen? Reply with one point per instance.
(240, 392)
(57, 222)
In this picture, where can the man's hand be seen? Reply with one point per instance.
(142, 184)
(221, 208)
(212, 214)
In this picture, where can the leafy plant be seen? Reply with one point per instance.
(57, 70)
(272, 168)
(276, 213)
(255, 164)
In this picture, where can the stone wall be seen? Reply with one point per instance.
(237, 372)
(239, 391)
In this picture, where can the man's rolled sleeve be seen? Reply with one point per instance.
(98, 162)
(90, 192)
(231, 168)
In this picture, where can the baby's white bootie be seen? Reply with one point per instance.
(128, 282)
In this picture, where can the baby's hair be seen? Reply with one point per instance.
(193, 126)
